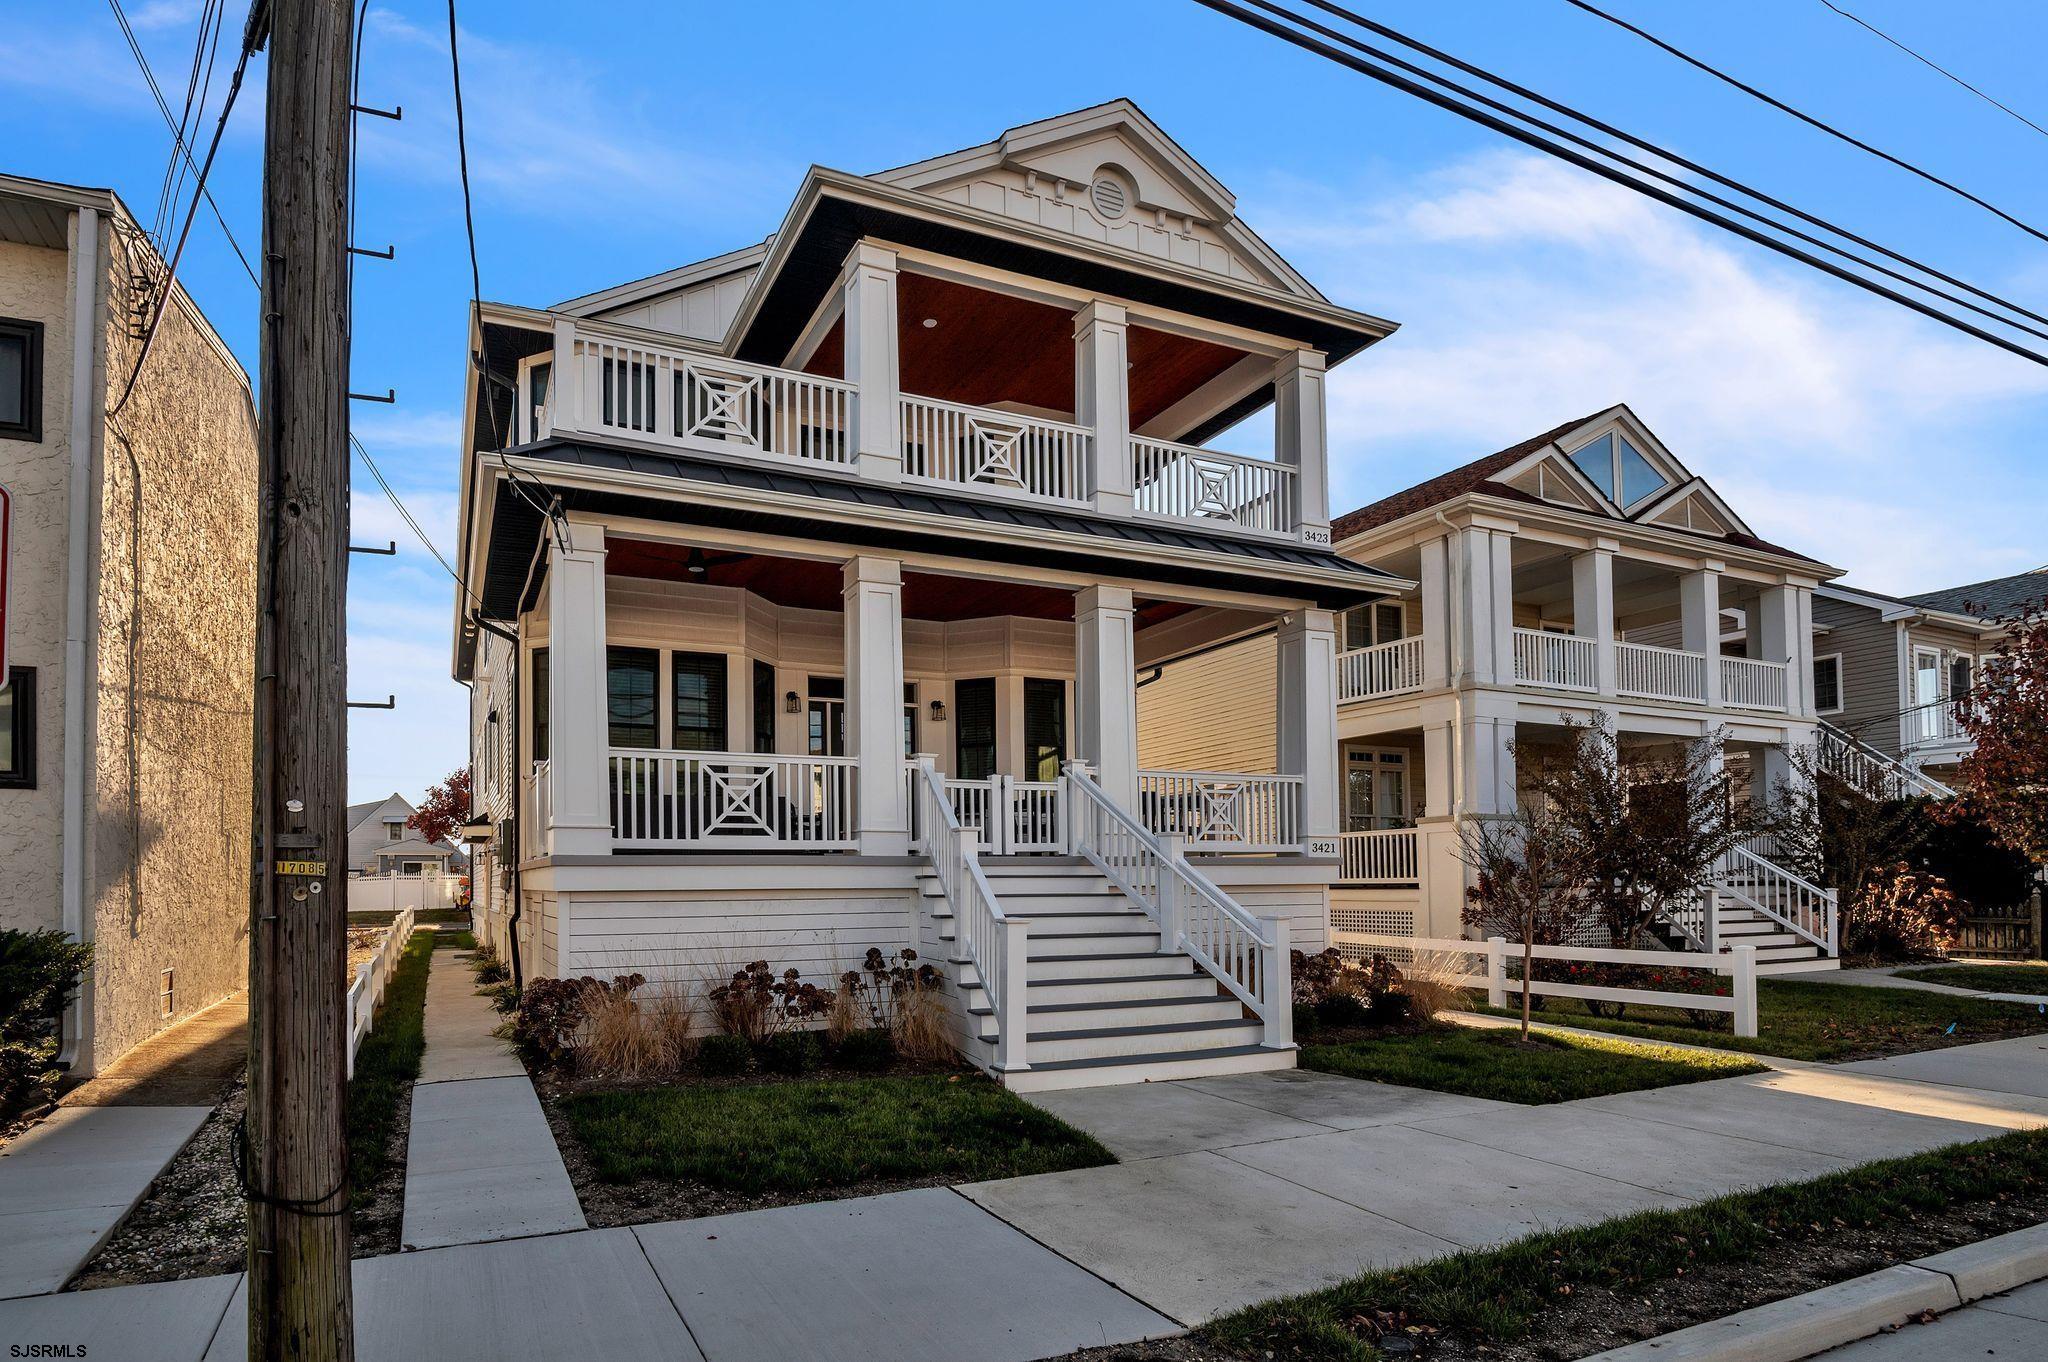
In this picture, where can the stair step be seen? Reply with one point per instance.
(1063, 945)
(1050, 1075)
(1065, 967)
(1100, 1041)
(1116, 1015)
(1185, 984)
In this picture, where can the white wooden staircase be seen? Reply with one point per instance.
(1103, 1003)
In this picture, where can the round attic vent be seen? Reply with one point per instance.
(1109, 196)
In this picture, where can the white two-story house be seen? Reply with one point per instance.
(805, 592)
(1583, 572)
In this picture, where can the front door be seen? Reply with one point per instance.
(974, 728)
(1927, 693)
(1045, 728)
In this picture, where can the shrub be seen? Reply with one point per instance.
(724, 1054)
(1388, 1009)
(1316, 977)
(39, 973)
(1306, 1023)
(868, 1051)
(504, 997)
(919, 1027)
(555, 1015)
(882, 982)
(789, 1052)
(757, 1003)
(1340, 1010)
(1428, 987)
(1903, 914)
(488, 967)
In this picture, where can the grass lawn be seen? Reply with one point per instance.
(1496, 1064)
(824, 1133)
(459, 940)
(1822, 1021)
(1496, 1296)
(2013, 978)
(389, 1059)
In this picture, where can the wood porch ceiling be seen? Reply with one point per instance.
(806, 584)
(991, 347)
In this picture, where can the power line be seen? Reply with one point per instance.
(1651, 149)
(164, 108)
(476, 287)
(250, 35)
(1455, 102)
(1935, 67)
(1807, 118)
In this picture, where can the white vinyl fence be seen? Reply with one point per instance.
(398, 893)
(372, 976)
(1489, 959)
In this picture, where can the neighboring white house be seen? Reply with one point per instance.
(1584, 572)
(380, 843)
(816, 579)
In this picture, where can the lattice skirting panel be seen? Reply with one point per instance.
(1382, 921)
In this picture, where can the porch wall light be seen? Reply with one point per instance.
(938, 711)
(792, 703)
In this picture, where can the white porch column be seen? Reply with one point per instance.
(1483, 616)
(1300, 440)
(868, 284)
(1102, 400)
(1774, 637)
(1699, 612)
(579, 735)
(1486, 764)
(1439, 864)
(873, 629)
(1306, 738)
(1593, 607)
(1105, 691)
(1434, 582)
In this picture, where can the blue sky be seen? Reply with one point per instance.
(609, 141)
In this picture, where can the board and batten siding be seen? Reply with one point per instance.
(1213, 712)
(695, 940)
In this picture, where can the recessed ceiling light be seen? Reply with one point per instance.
(930, 322)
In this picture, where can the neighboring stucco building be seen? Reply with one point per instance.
(125, 760)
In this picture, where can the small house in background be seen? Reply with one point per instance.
(130, 619)
(380, 843)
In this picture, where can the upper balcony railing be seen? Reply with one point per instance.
(1557, 661)
(1750, 683)
(1393, 668)
(613, 382)
(1652, 673)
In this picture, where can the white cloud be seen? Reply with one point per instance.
(164, 13)
(437, 431)
(1534, 294)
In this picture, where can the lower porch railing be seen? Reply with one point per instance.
(1247, 955)
(1008, 816)
(1223, 810)
(1385, 856)
(746, 801)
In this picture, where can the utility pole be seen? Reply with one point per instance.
(296, 1156)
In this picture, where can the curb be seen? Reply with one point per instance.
(1799, 1327)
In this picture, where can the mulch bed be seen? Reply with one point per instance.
(609, 1204)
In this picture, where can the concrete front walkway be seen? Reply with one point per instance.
(1233, 1190)
(481, 1161)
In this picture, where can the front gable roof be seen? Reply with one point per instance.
(1542, 470)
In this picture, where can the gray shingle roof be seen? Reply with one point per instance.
(2023, 593)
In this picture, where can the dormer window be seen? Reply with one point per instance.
(394, 829)
(1618, 469)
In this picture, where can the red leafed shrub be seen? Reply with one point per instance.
(1902, 914)
(759, 1003)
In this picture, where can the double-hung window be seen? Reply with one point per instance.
(21, 379)
(697, 684)
(18, 730)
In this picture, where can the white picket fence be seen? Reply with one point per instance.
(372, 977)
(1493, 954)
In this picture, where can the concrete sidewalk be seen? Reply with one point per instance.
(2012, 1326)
(481, 1162)
(1303, 1179)
(1886, 976)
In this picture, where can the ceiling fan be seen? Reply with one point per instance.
(700, 562)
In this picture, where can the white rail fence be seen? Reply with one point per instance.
(992, 450)
(1387, 856)
(676, 396)
(1652, 673)
(732, 799)
(366, 990)
(1181, 482)
(1749, 683)
(1488, 963)
(1556, 661)
(997, 945)
(1223, 810)
(1247, 955)
(1393, 668)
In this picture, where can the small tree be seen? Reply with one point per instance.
(1528, 884)
(2004, 779)
(1838, 829)
(1647, 826)
(443, 809)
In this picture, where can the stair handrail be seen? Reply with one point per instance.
(1813, 910)
(1909, 777)
(995, 943)
(1247, 955)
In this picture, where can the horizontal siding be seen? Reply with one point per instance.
(1214, 712)
(1307, 910)
(694, 942)
(1870, 670)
